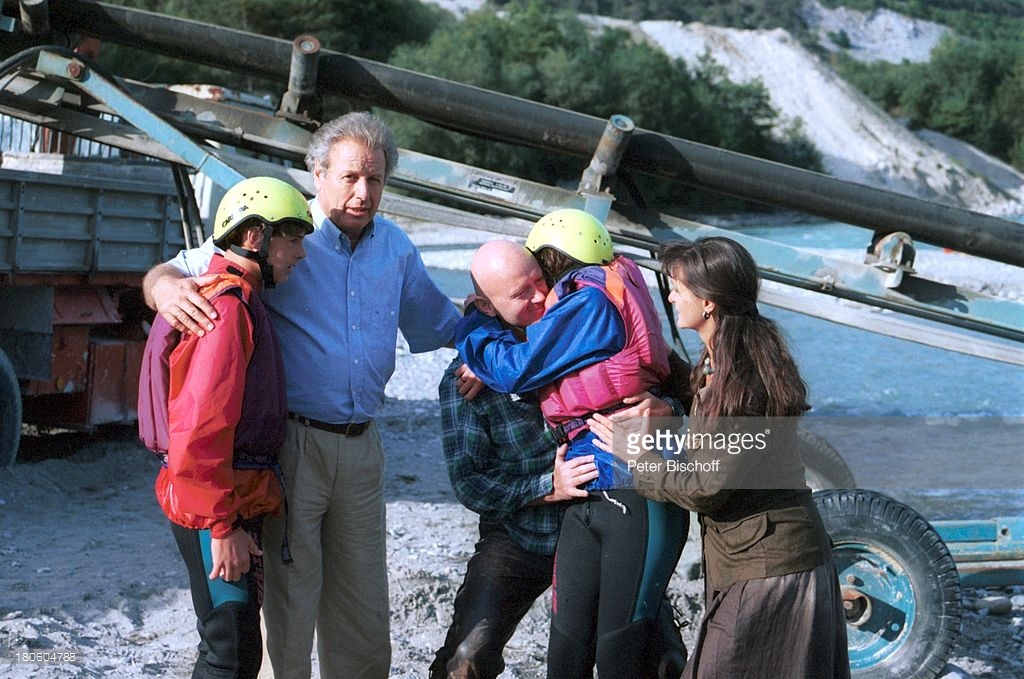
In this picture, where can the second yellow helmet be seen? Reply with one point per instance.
(574, 233)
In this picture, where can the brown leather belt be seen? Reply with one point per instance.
(350, 429)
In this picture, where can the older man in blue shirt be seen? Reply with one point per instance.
(361, 281)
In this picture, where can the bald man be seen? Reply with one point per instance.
(502, 462)
(509, 284)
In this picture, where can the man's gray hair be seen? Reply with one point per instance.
(359, 126)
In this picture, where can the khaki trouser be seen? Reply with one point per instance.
(338, 582)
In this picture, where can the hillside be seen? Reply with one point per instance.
(858, 140)
(882, 35)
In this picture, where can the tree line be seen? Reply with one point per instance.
(532, 51)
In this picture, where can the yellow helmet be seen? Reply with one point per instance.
(574, 233)
(270, 200)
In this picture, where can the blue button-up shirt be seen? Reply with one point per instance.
(338, 316)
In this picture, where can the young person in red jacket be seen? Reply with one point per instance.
(214, 408)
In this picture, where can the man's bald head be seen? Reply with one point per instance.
(495, 261)
(509, 282)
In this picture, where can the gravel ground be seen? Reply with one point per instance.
(88, 563)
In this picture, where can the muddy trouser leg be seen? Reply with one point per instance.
(502, 582)
(630, 545)
(227, 613)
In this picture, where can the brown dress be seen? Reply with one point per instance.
(774, 608)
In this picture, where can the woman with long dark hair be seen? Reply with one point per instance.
(774, 605)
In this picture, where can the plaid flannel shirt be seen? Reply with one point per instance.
(500, 456)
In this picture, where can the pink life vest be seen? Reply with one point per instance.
(642, 363)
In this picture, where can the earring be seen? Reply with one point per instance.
(707, 315)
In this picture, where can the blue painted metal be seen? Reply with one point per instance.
(141, 117)
(988, 552)
(986, 530)
(879, 588)
(916, 297)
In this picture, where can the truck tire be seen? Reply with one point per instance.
(901, 589)
(824, 467)
(10, 412)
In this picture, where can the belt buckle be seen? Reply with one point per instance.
(353, 429)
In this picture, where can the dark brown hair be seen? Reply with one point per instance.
(554, 264)
(291, 228)
(288, 227)
(755, 374)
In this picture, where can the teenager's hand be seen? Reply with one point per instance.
(231, 555)
(569, 475)
(469, 384)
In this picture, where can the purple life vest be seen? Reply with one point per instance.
(260, 432)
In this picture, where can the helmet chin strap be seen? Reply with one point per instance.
(266, 270)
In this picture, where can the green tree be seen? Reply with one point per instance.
(365, 28)
(971, 90)
(533, 52)
(1007, 105)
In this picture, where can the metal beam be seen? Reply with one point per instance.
(492, 115)
(490, 192)
(142, 118)
(496, 194)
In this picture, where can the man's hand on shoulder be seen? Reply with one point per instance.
(179, 302)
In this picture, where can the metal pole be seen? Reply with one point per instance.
(609, 152)
(35, 16)
(501, 117)
(301, 95)
(604, 163)
(139, 116)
